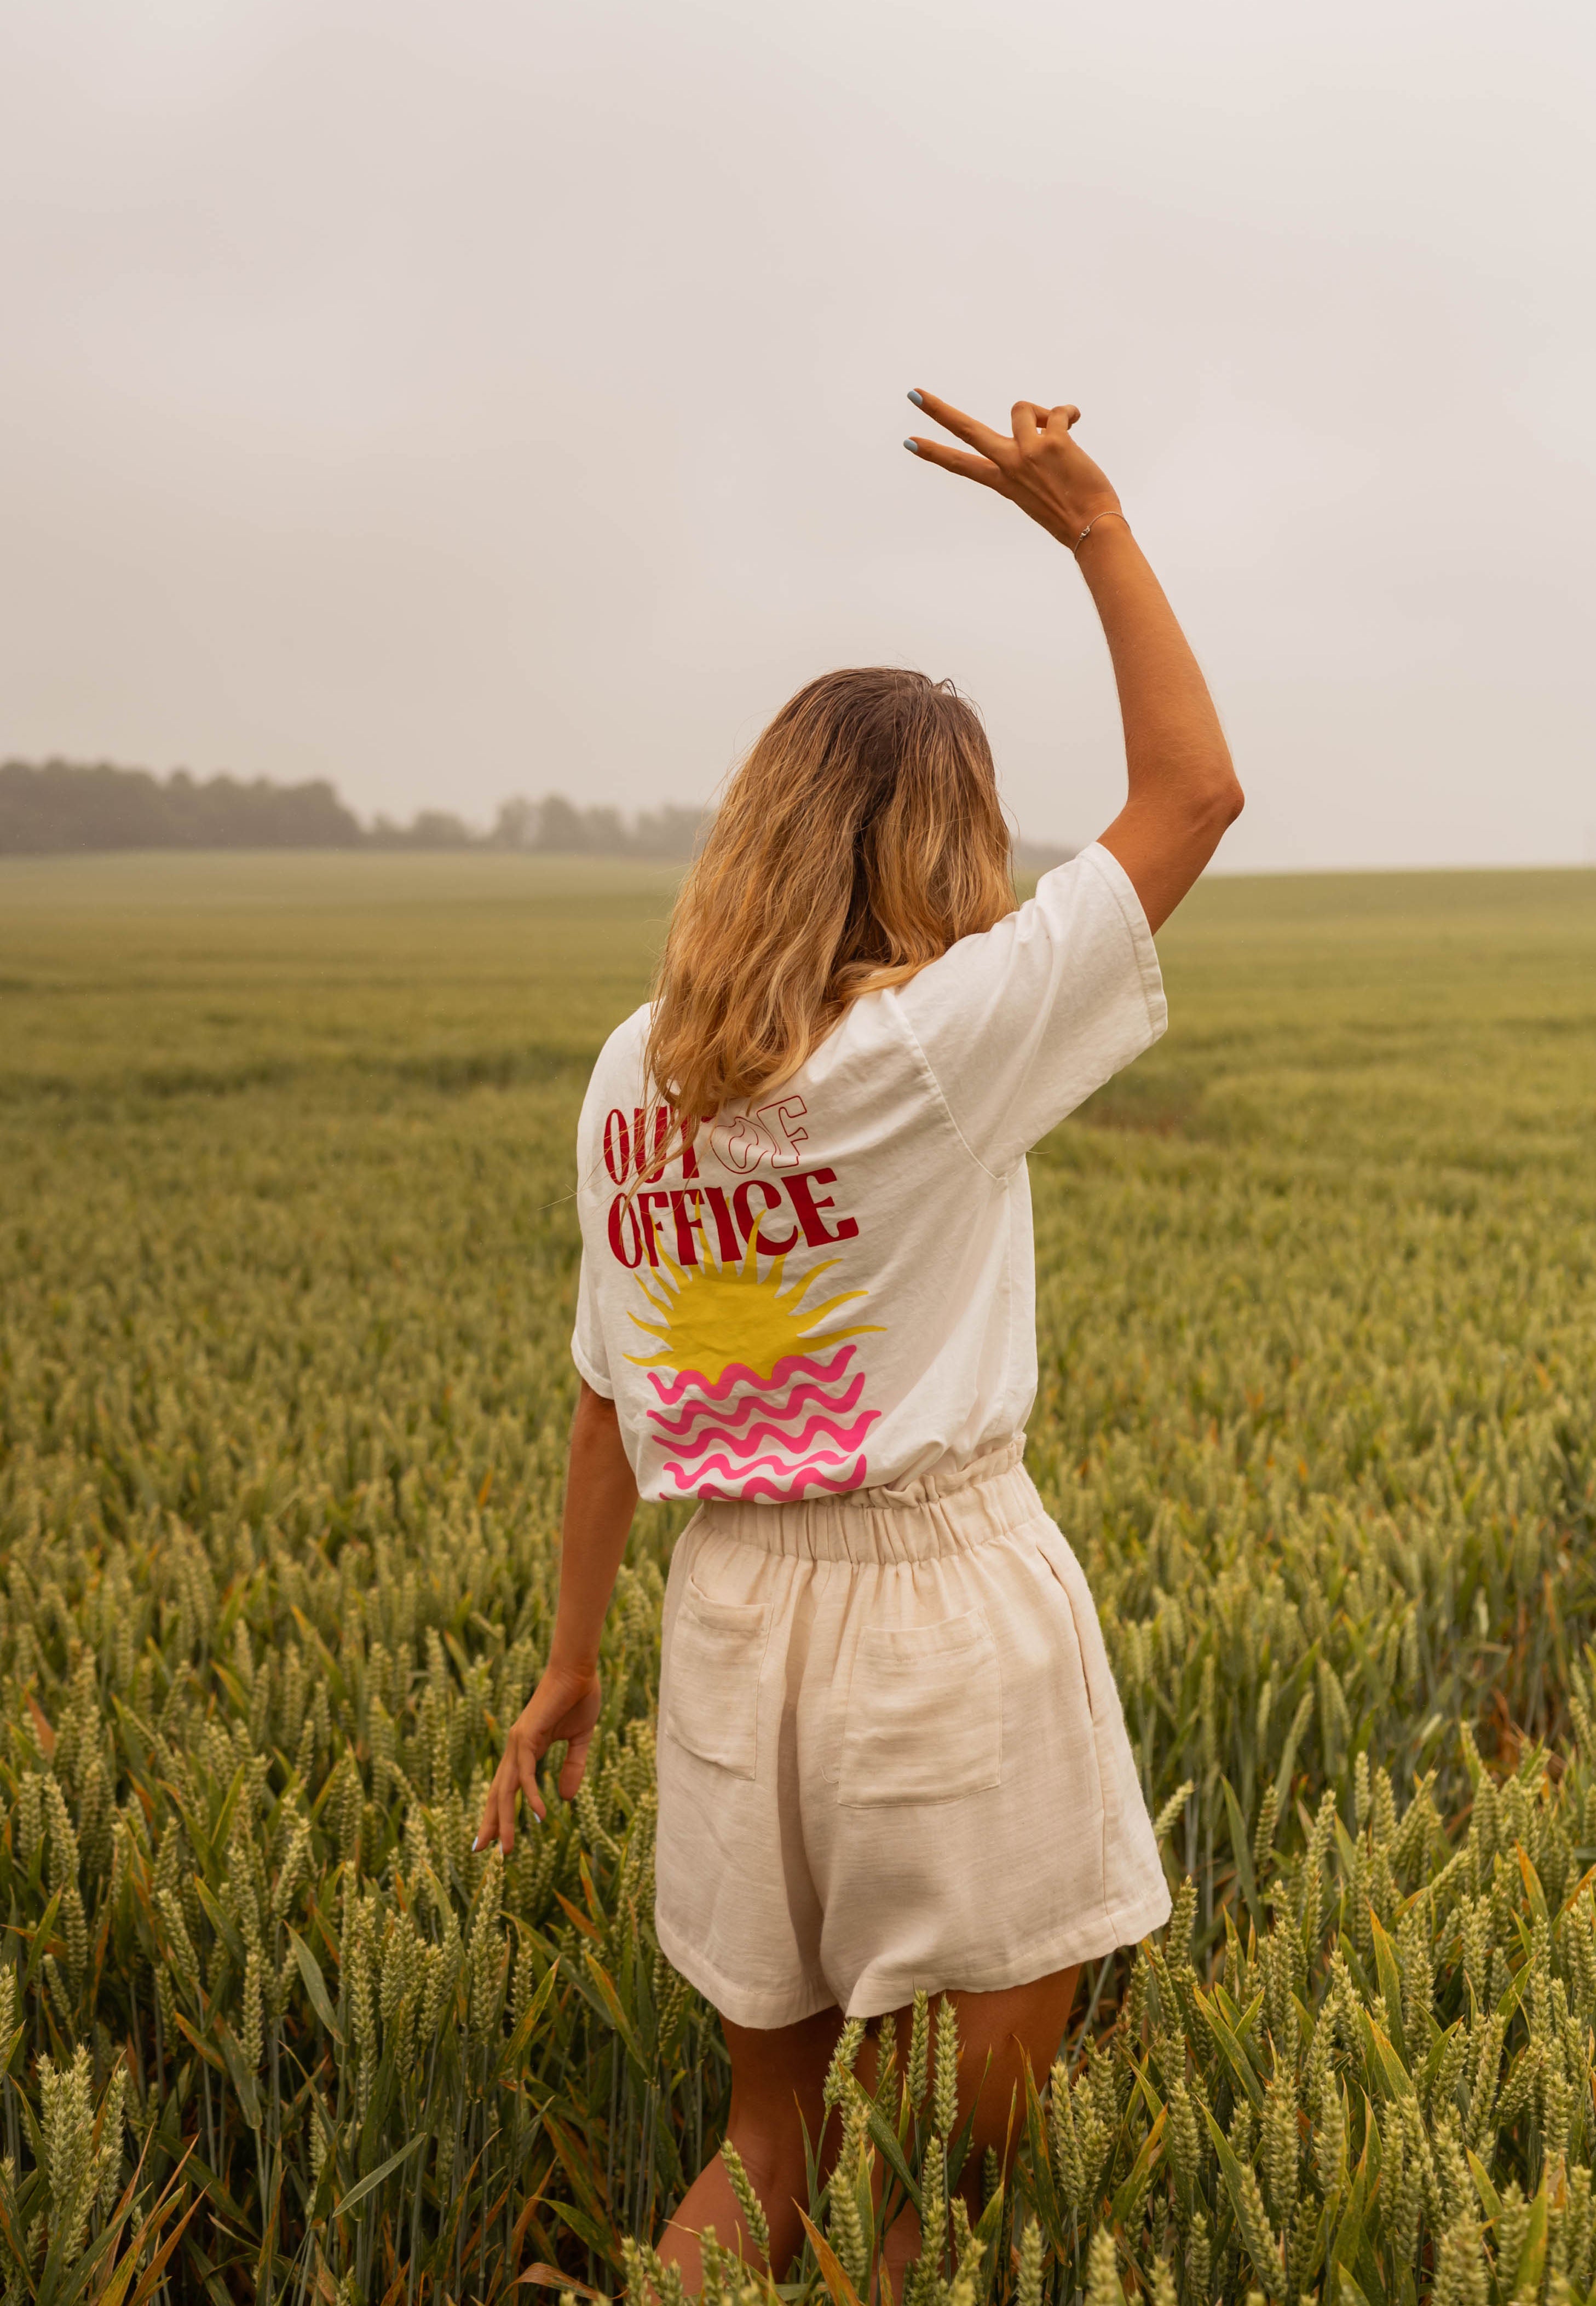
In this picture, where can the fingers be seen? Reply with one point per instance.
(489, 1828)
(1032, 421)
(527, 1767)
(574, 1762)
(516, 1774)
(561, 1707)
(954, 460)
(968, 429)
(499, 1819)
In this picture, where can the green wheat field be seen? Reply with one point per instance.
(287, 1257)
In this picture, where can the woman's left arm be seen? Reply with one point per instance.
(601, 1497)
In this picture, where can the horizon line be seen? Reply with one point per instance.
(479, 849)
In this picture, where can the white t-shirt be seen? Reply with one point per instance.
(836, 1290)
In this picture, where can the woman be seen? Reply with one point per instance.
(892, 1754)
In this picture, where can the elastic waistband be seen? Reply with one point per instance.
(941, 1513)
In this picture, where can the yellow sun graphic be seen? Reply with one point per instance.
(712, 1315)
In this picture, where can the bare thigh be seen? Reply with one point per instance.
(1002, 2037)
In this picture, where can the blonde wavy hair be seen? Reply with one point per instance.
(861, 837)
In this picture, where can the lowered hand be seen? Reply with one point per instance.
(564, 1705)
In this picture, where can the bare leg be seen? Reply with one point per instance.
(778, 2078)
(1020, 2028)
(777, 2082)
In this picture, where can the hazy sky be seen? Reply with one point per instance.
(465, 400)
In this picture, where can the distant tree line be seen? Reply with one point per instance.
(63, 806)
(557, 824)
(66, 806)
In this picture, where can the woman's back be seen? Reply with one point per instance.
(832, 1288)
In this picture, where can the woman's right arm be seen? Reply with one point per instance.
(1183, 790)
(601, 1497)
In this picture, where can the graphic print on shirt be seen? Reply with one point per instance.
(758, 1382)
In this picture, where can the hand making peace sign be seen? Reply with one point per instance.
(1038, 466)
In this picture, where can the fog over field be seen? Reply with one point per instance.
(458, 403)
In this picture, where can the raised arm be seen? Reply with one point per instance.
(1182, 787)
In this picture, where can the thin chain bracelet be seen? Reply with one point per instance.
(1109, 512)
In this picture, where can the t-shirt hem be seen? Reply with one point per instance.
(1141, 936)
(589, 1372)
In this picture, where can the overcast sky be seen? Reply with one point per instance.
(463, 400)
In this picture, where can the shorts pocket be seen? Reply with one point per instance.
(713, 1666)
(925, 1714)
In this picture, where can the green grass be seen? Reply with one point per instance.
(136, 974)
(286, 1265)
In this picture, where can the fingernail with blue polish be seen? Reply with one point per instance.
(913, 447)
(917, 400)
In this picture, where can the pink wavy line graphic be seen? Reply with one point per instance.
(808, 1477)
(748, 1444)
(771, 1442)
(754, 1404)
(749, 1483)
(670, 1388)
(721, 1465)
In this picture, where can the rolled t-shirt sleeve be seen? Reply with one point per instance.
(1022, 1022)
(587, 1338)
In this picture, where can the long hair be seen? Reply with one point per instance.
(861, 837)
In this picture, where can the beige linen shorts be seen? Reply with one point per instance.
(892, 1753)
